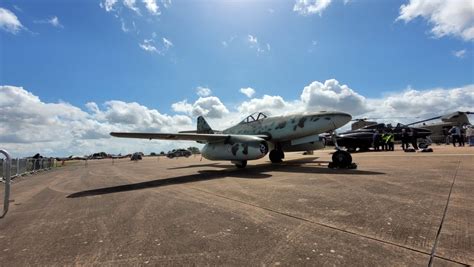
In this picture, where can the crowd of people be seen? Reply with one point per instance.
(383, 141)
(458, 135)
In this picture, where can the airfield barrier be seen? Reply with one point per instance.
(6, 200)
(21, 166)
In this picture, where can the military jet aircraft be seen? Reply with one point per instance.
(257, 134)
(362, 138)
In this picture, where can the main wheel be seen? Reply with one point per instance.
(423, 144)
(276, 156)
(241, 164)
(341, 159)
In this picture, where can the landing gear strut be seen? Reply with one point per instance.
(276, 155)
(240, 164)
(342, 159)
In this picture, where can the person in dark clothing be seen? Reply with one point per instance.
(383, 141)
(455, 132)
(390, 138)
(413, 137)
(376, 140)
(405, 137)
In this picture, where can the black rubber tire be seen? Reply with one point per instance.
(341, 159)
(282, 154)
(241, 164)
(423, 144)
(276, 156)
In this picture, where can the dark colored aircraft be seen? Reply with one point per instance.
(441, 128)
(362, 138)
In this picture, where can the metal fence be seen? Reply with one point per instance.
(24, 166)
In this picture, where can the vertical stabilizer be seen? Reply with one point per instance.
(203, 126)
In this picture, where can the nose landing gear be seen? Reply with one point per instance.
(342, 159)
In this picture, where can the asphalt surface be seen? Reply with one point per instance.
(396, 209)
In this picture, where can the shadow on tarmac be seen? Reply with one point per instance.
(251, 172)
(203, 165)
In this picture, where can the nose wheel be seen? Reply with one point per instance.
(276, 155)
(342, 159)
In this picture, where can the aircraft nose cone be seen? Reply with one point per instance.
(340, 119)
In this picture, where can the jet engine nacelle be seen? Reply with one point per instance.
(236, 148)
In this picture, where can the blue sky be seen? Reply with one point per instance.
(81, 51)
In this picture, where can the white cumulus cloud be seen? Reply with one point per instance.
(108, 5)
(331, 95)
(271, 105)
(423, 103)
(30, 125)
(460, 53)
(203, 91)
(131, 4)
(447, 17)
(210, 106)
(249, 92)
(9, 22)
(152, 7)
(309, 7)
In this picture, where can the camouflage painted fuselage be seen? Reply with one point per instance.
(290, 127)
(253, 138)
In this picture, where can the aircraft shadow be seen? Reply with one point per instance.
(251, 172)
(203, 165)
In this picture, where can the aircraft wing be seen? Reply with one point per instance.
(207, 138)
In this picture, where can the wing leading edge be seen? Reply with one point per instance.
(208, 138)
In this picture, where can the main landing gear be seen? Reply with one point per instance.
(276, 155)
(240, 164)
(342, 159)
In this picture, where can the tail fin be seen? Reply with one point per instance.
(203, 126)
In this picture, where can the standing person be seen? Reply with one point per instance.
(462, 136)
(446, 135)
(470, 135)
(456, 134)
(376, 140)
(413, 134)
(390, 140)
(384, 140)
(405, 137)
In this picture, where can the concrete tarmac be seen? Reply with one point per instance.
(395, 209)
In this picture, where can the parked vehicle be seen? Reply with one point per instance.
(179, 153)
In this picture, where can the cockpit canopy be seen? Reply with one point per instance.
(254, 117)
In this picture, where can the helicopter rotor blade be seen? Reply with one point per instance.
(434, 118)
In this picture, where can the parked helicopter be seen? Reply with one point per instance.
(440, 129)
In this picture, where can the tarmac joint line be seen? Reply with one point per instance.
(333, 227)
(433, 250)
